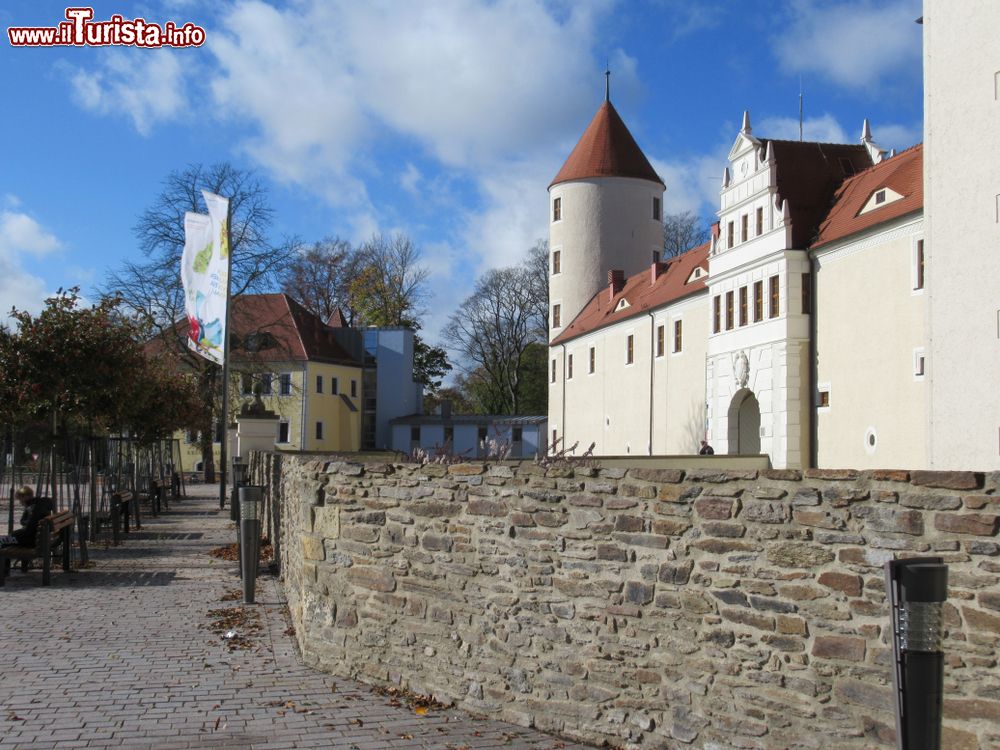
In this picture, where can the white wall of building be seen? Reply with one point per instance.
(962, 209)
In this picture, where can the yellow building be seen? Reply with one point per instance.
(303, 375)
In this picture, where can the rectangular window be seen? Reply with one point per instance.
(283, 431)
(716, 314)
(806, 293)
(556, 316)
(918, 266)
(556, 262)
(246, 384)
(729, 234)
(775, 303)
(569, 367)
(553, 371)
(918, 363)
(557, 209)
(319, 384)
(678, 335)
(516, 434)
(629, 349)
(656, 209)
(743, 306)
(191, 436)
(415, 434)
(760, 221)
(729, 311)
(593, 359)
(285, 384)
(823, 399)
(354, 389)
(879, 197)
(660, 336)
(319, 430)
(744, 222)
(265, 382)
(758, 301)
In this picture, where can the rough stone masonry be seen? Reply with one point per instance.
(642, 608)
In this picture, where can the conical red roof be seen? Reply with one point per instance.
(606, 149)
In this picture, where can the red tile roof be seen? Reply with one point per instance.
(808, 175)
(606, 149)
(903, 173)
(275, 328)
(642, 294)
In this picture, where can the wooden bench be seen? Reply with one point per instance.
(53, 530)
(123, 506)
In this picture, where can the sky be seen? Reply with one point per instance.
(442, 119)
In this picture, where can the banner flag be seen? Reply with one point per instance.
(205, 276)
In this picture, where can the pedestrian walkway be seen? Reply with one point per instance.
(123, 654)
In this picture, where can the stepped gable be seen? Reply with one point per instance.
(808, 177)
(903, 174)
(606, 149)
(642, 294)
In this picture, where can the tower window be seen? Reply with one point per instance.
(593, 359)
(556, 316)
(918, 265)
(556, 209)
(629, 349)
(556, 262)
(656, 209)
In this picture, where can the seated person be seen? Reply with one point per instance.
(35, 509)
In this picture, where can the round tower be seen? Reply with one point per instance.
(605, 214)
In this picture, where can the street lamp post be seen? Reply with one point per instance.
(917, 589)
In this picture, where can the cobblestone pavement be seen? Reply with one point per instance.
(121, 655)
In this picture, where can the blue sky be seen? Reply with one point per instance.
(443, 119)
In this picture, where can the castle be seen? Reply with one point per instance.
(844, 313)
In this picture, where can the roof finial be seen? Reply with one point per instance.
(607, 82)
(866, 131)
(746, 123)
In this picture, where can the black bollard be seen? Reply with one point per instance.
(917, 588)
(251, 502)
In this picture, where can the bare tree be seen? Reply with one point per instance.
(387, 288)
(319, 276)
(681, 232)
(151, 289)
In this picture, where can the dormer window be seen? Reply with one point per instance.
(696, 274)
(622, 304)
(881, 197)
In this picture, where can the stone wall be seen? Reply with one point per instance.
(648, 608)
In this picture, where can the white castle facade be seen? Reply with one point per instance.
(844, 313)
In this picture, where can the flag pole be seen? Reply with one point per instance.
(225, 363)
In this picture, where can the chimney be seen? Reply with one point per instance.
(616, 282)
(656, 271)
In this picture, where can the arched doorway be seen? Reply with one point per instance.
(744, 423)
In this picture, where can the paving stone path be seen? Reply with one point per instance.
(122, 655)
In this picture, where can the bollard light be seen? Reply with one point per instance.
(251, 501)
(239, 479)
(916, 590)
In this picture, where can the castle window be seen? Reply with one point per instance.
(743, 305)
(593, 359)
(729, 311)
(556, 262)
(760, 221)
(774, 306)
(569, 367)
(629, 349)
(729, 234)
(806, 293)
(918, 265)
(557, 209)
(744, 222)
(678, 335)
(660, 336)
(758, 301)
(656, 209)
(556, 316)
(716, 314)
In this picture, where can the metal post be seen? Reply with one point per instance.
(917, 588)
(250, 506)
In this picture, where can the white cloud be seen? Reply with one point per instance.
(823, 129)
(146, 86)
(409, 178)
(855, 44)
(897, 136)
(21, 238)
